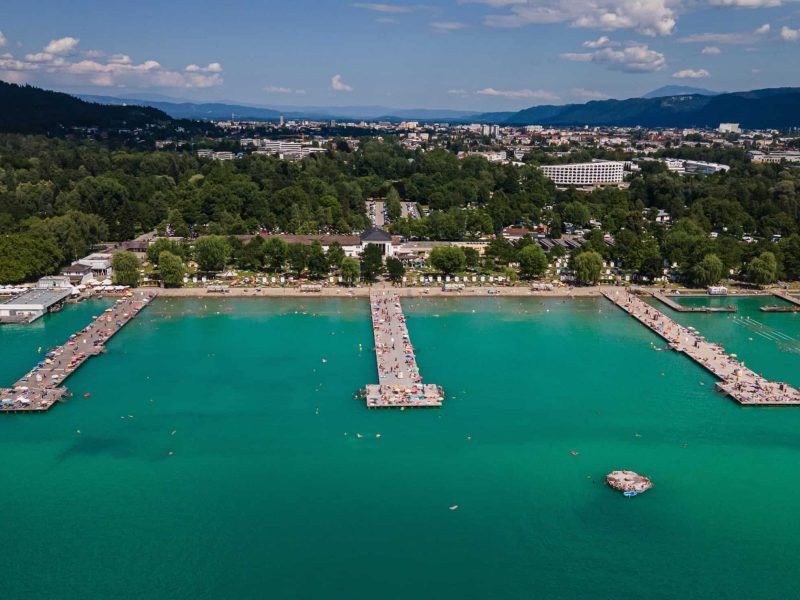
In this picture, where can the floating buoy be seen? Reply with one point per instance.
(574, 452)
(87, 395)
(324, 360)
(454, 507)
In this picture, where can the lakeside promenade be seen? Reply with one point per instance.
(400, 380)
(41, 387)
(737, 381)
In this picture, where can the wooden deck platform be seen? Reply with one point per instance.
(400, 380)
(695, 309)
(740, 383)
(40, 388)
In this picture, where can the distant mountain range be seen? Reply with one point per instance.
(223, 110)
(679, 90)
(777, 108)
(26, 109)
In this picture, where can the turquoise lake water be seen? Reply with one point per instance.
(268, 493)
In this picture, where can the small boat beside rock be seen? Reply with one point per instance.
(629, 483)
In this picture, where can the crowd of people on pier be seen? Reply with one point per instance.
(38, 389)
(742, 384)
(400, 381)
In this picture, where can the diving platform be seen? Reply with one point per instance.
(400, 382)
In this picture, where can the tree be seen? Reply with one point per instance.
(155, 249)
(171, 269)
(532, 261)
(212, 253)
(297, 255)
(587, 267)
(393, 207)
(253, 254)
(126, 269)
(448, 259)
(371, 262)
(276, 251)
(472, 257)
(317, 261)
(335, 255)
(763, 269)
(395, 269)
(708, 271)
(350, 270)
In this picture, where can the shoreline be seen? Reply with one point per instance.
(363, 292)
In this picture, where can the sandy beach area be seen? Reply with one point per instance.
(363, 292)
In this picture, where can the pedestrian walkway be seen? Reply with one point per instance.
(41, 387)
(737, 381)
(400, 380)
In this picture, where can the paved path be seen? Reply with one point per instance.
(400, 381)
(40, 388)
(740, 383)
(681, 308)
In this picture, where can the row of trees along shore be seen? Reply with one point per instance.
(60, 197)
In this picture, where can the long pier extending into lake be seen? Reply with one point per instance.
(737, 381)
(400, 380)
(40, 388)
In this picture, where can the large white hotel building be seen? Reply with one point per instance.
(601, 172)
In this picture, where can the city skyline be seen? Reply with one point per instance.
(483, 55)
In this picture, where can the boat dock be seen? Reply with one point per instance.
(681, 308)
(400, 380)
(40, 388)
(737, 381)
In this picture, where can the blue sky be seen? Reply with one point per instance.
(464, 54)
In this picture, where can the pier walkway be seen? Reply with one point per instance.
(42, 387)
(784, 295)
(400, 380)
(681, 308)
(740, 383)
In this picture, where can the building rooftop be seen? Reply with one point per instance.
(36, 297)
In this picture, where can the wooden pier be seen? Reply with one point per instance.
(40, 388)
(400, 380)
(695, 309)
(737, 381)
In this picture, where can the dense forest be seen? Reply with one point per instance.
(27, 109)
(58, 197)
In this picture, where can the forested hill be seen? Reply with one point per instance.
(26, 109)
(777, 108)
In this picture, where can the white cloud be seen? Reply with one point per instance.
(386, 21)
(599, 42)
(277, 89)
(691, 74)
(118, 71)
(526, 93)
(744, 37)
(710, 50)
(384, 7)
(337, 85)
(3, 40)
(447, 26)
(458, 92)
(211, 68)
(635, 58)
(120, 59)
(63, 45)
(747, 3)
(650, 17)
(790, 35)
(588, 94)
(39, 57)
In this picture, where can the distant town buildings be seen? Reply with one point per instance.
(729, 128)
